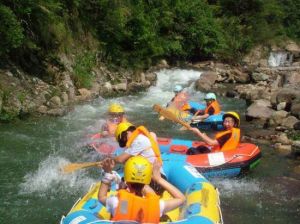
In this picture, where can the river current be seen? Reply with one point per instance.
(33, 190)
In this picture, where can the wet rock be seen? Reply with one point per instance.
(289, 122)
(259, 109)
(57, 112)
(287, 95)
(239, 76)
(260, 133)
(292, 47)
(85, 94)
(231, 94)
(163, 64)
(281, 128)
(297, 125)
(295, 109)
(297, 170)
(206, 80)
(259, 76)
(277, 117)
(281, 106)
(252, 92)
(151, 76)
(42, 109)
(8, 73)
(54, 102)
(277, 83)
(65, 98)
(281, 138)
(138, 86)
(283, 149)
(292, 79)
(296, 147)
(120, 87)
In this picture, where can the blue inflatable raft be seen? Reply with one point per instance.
(202, 204)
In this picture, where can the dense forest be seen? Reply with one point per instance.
(136, 33)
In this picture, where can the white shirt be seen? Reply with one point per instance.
(113, 201)
(141, 145)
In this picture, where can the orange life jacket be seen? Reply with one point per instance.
(180, 100)
(232, 142)
(186, 107)
(214, 105)
(135, 208)
(112, 126)
(144, 131)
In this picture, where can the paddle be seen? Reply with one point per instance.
(170, 115)
(76, 166)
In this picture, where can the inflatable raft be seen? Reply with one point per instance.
(216, 163)
(214, 122)
(202, 204)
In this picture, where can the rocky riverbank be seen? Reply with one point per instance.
(272, 95)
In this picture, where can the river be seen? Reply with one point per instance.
(33, 190)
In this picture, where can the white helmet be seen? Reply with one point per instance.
(177, 88)
(210, 96)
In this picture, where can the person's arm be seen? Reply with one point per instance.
(122, 158)
(178, 198)
(200, 117)
(199, 112)
(205, 138)
(104, 130)
(107, 165)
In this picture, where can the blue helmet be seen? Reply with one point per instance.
(177, 88)
(210, 96)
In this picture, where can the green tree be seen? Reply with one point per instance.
(11, 32)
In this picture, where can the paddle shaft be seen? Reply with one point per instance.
(76, 166)
(170, 115)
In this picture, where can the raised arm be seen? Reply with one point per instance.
(204, 137)
(178, 198)
(107, 165)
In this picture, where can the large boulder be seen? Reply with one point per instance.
(277, 117)
(292, 79)
(287, 95)
(259, 109)
(240, 76)
(295, 109)
(259, 76)
(206, 80)
(289, 122)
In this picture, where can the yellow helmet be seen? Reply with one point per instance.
(234, 115)
(115, 108)
(123, 126)
(138, 169)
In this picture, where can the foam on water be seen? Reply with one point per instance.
(49, 178)
(230, 187)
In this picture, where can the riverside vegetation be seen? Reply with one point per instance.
(52, 51)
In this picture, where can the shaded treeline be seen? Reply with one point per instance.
(136, 33)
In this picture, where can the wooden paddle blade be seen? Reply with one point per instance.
(76, 166)
(169, 115)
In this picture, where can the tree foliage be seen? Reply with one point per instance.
(138, 33)
(11, 32)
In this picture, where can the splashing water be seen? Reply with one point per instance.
(49, 178)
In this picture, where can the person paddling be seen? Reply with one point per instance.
(212, 107)
(224, 140)
(138, 202)
(116, 115)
